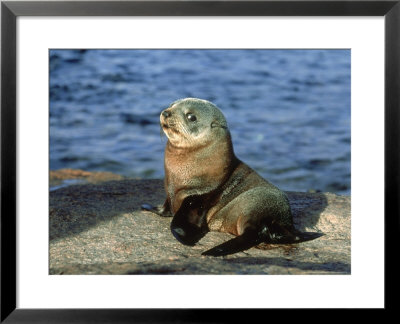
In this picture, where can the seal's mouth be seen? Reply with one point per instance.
(169, 127)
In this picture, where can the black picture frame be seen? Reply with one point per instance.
(10, 10)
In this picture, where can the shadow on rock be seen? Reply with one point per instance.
(337, 266)
(75, 209)
(307, 209)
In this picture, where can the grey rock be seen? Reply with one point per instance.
(100, 229)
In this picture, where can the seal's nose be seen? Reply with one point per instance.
(166, 113)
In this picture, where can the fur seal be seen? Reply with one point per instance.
(209, 189)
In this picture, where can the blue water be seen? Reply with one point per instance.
(288, 110)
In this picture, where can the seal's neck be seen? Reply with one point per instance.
(216, 153)
(197, 171)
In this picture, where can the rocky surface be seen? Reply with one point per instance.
(98, 228)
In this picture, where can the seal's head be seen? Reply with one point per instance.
(192, 122)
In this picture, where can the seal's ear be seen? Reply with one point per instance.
(216, 123)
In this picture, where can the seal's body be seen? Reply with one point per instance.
(209, 188)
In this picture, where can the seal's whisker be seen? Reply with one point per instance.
(183, 128)
(162, 134)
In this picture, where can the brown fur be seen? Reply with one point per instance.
(202, 163)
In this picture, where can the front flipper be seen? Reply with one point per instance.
(163, 211)
(189, 224)
(243, 242)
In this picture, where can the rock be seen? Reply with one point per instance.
(100, 229)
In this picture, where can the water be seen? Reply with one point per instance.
(288, 110)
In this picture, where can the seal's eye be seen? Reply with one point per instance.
(191, 117)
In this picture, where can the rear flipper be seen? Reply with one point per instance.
(251, 238)
(306, 236)
(240, 243)
(162, 211)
